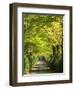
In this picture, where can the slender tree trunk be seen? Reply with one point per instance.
(53, 50)
(30, 61)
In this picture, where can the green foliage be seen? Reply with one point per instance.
(41, 33)
(26, 65)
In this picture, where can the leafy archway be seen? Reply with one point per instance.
(43, 36)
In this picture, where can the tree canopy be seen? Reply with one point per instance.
(43, 34)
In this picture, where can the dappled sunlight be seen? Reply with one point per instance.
(43, 43)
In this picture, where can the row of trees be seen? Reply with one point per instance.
(43, 36)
